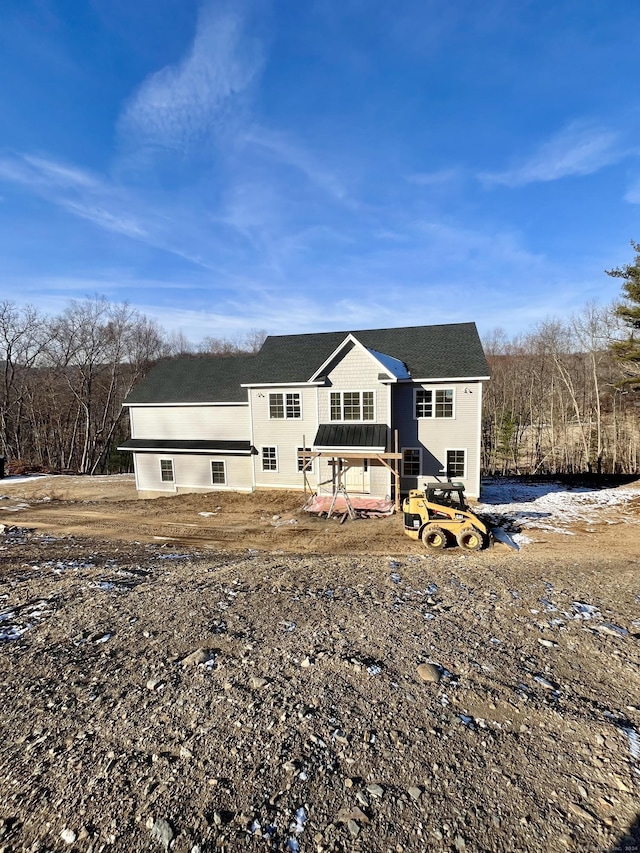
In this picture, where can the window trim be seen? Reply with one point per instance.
(224, 471)
(360, 420)
(173, 470)
(419, 451)
(273, 447)
(284, 395)
(462, 450)
(434, 403)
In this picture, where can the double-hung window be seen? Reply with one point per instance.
(351, 406)
(218, 474)
(411, 462)
(456, 463)
(166, 470)
(305, 464)
(270, 458)
(285, 405)
(436, 403)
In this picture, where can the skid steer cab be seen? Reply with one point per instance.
(440, 516)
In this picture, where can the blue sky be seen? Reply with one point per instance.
(327, 164)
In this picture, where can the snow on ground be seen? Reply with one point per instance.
(26, 478)
(554, 507)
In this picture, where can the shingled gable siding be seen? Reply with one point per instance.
(285, 434)
(192, 473)
(191, 422)
(435, 435)
(356, 370)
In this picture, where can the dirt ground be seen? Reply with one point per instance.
(256, 678)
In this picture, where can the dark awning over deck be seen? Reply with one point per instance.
(354, 436)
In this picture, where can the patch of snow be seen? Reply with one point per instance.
(25, 478)
(552, 507)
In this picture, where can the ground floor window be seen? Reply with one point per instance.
(166, 470)
(218, 473)
(411, 462)
(270, 458)
(302, 462)
(456, 463)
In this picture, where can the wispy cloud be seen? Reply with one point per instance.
(441, 177)
(633, 193)
(182, 106)
(579, 149)
(283, 149)
(77, 191)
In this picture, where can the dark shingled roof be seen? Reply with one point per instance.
(195, 380)
(429, 352)
(351, 435)
(173, 445)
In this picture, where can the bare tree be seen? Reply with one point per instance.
(21, 342)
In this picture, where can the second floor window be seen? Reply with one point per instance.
(285, 406)
(434, 404)
(352, 406)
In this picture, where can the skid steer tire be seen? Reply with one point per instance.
(470, 539)
(434, 537)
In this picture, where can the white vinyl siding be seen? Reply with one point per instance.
(287, 434)
(192, 473)
(435, 436)
(220, 423)
(354, 370)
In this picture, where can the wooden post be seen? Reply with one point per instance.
(304, 468)
(397, 475)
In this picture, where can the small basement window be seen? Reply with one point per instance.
(218, 473)
(166, 470)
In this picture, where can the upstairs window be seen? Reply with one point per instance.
(284, 406)
(352, 406)
(434, 403)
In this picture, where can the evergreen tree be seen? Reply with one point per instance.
(627, 351)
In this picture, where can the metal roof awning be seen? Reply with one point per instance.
(210, 447)
(355, 437)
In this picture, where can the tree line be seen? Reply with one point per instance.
(564, 398)
(64, 378)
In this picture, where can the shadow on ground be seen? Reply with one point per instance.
(630, 842)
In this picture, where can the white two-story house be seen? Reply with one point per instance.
(242, 422)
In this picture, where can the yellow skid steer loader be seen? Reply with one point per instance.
(439, 515)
